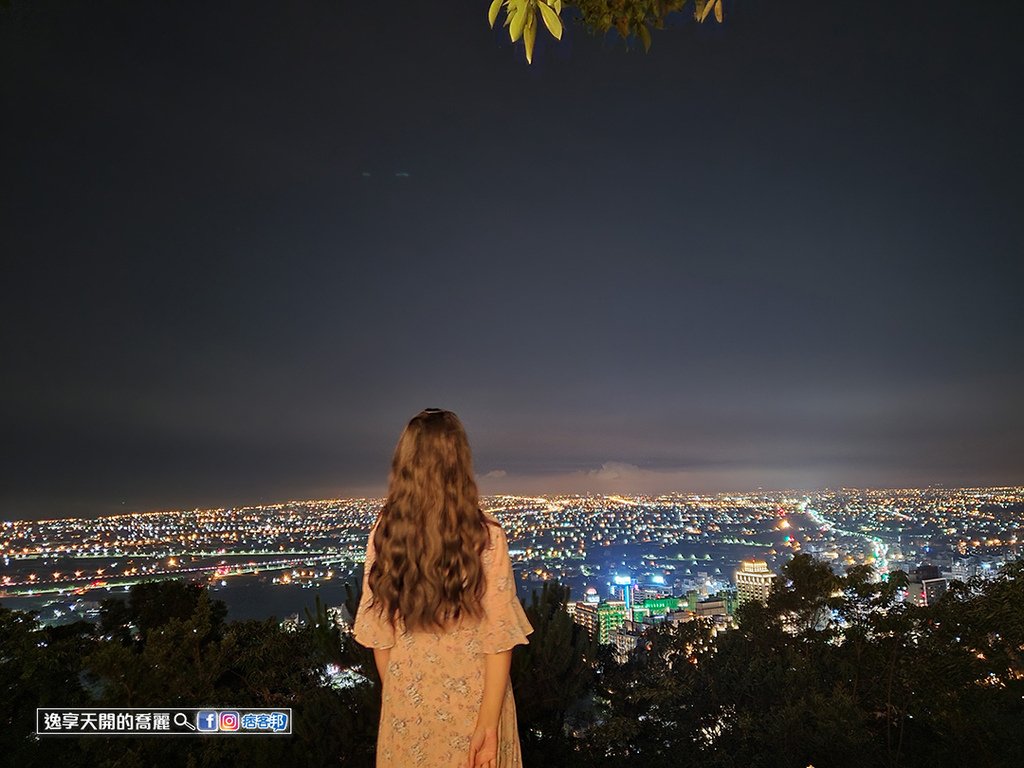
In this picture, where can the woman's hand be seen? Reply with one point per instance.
(483, 748)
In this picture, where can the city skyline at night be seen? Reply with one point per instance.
(725, 296)
(582, 541)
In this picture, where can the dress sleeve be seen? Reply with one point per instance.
(371, 629)
(505, 624)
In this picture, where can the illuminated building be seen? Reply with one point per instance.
(926, 592)
(925, 586)
(627, 639)
(712, 607)
(626, 582)
(753, 581)
(601, 619)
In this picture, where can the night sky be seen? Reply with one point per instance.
(244, 242)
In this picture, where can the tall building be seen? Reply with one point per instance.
(626, 582)
(925, 585)
(753, 581)
(627, 638)
(600, 619)
(962, 568)
(926, 592)
(609, 621)
(585, 614)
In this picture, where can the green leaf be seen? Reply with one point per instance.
(492, 12)
(551, 21)
(529, 37)
(515, 29)
(645, 36)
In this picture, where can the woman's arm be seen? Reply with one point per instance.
(483, 745)
(382, 656)
(496, 667)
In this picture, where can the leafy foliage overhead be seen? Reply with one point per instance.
(629, 17)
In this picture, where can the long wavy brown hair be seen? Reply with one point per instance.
(431, 532)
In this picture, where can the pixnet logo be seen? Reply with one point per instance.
(206, 720)
(229, 721)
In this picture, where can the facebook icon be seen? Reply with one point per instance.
(207, 720)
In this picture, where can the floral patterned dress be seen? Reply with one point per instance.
(433, 685)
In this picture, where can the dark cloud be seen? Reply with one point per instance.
(783, 251)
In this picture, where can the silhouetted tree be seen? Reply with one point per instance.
(39, 667)
(550, 674)
(832, 671)
(151, 604)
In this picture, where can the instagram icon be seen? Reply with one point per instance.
(229, 721)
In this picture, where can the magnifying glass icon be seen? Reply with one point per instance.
(180, 718)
